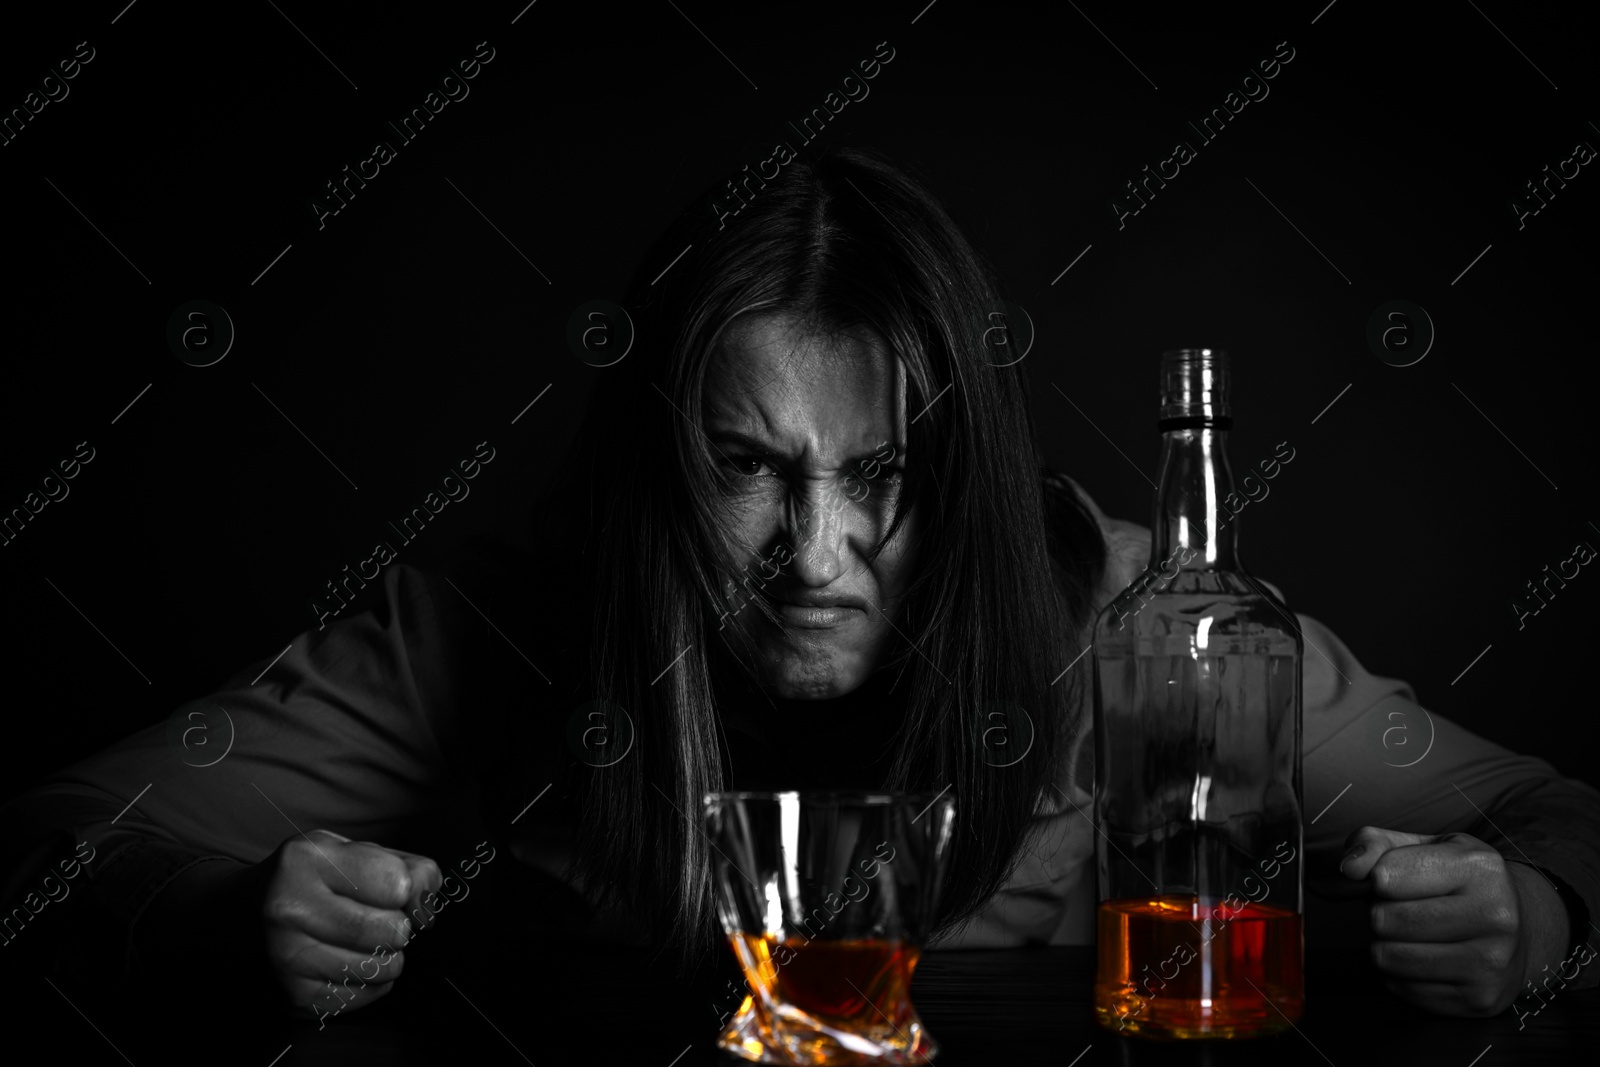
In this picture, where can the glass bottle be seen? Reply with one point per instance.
(1197, 720)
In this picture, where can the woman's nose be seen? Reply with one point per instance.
(818, 521)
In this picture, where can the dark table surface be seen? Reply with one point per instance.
(545, 1005)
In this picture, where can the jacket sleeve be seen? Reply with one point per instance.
(1374, 756)
(339, 732)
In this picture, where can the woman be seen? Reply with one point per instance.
(804, 541)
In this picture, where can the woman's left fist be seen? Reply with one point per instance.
(1457, 929)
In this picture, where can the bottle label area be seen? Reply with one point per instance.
(1182, 644)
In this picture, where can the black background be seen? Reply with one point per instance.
(409, 328)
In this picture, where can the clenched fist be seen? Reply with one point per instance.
(336, 914)
(1456, 927)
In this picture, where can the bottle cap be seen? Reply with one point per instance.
(1194, 389)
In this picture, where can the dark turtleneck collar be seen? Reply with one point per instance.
(774, 743)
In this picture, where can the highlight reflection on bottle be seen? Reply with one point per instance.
(1197, 704)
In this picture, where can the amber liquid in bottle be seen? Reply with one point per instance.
(1167, 968)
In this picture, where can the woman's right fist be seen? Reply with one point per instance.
(335, 912)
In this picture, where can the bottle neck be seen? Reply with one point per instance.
(1192, 528)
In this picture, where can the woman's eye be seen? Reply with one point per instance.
(881, 473)
(750, 466)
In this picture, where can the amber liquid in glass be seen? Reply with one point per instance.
(822, 991)
(1174, 967)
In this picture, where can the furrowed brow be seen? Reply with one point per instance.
(756, 446)
(748, 442)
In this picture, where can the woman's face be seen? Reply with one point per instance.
(811, 430)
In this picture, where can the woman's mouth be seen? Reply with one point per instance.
(818, 609)
(817, 618)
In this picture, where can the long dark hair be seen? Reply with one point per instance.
(841, 241)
